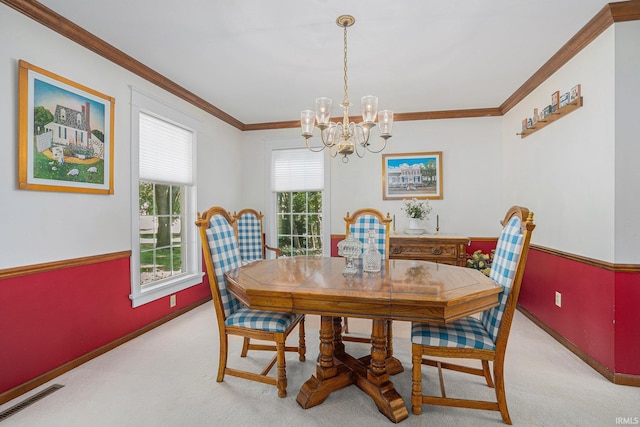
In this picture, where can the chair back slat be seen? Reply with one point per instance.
(250, 237)
(223, 246)
(503, 270)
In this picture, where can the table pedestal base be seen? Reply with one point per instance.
(337, 369)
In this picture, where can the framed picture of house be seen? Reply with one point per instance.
(411, 175)
(65, 134)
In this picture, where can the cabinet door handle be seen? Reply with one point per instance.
(436, 251)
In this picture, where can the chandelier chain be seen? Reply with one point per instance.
(346, 86)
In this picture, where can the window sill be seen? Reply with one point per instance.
(165, 288)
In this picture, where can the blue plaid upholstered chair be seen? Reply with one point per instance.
(221, 254)
(358, 225)
(250, 236)
(484, 339)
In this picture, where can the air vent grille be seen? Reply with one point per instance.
(29, 401)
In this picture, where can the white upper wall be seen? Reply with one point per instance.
(42, 226)
(580, 173)
(471, 153)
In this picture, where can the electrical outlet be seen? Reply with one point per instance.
(558, 299)
(172, 300)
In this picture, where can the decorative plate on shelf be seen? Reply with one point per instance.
(414, 231)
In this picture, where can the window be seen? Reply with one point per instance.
(297, 191)
(299, 216)
(165, 256)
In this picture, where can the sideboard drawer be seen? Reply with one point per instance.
(443, 250)
(430, 250)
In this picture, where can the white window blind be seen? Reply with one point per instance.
(166, 151)
(297, 170)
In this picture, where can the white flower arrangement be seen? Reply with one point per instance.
(416, 209)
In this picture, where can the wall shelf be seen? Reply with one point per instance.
(558, 114)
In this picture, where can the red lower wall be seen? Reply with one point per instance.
(599, 312)
(55, 317)
(627, 327)
(51, 318)
(586, 317)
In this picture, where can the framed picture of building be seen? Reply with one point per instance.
(65, 134)
(411, 175)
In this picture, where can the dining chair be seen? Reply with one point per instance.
(484, 338)
(358, 225)
(251, 237)
(221, 254)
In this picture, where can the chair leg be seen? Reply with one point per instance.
(302, 347)
(487, 373)
(222, 364)
(245, 347)
(498, 372)
(345, 329)
(282, 369)
(416, 387)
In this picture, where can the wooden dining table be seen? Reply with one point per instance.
(409, 290)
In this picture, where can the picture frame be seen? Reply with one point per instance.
(65, 134)
(575, 93)
(412, 175)
(555, 101)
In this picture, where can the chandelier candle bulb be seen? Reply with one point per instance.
(323, 110)
(385, 121)
(307, 120)
(369, 108)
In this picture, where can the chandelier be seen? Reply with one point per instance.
(346, 138)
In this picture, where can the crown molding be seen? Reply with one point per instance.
(61, 25)
(611, 13)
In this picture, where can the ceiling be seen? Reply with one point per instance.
(265, 61)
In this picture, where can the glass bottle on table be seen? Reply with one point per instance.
(371, 258)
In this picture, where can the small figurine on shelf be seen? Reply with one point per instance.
(555, 101)
(575, 93)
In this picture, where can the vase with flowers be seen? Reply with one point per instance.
(417, 211)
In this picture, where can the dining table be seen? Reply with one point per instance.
(410, 290)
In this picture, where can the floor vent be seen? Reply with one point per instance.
(30, 401)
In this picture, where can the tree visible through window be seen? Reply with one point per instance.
(161, 225)
(299, 216)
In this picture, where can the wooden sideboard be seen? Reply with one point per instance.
(443, 248)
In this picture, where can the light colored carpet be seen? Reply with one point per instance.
(167, 378)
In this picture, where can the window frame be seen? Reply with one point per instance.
(147, 104)
(270, 218)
